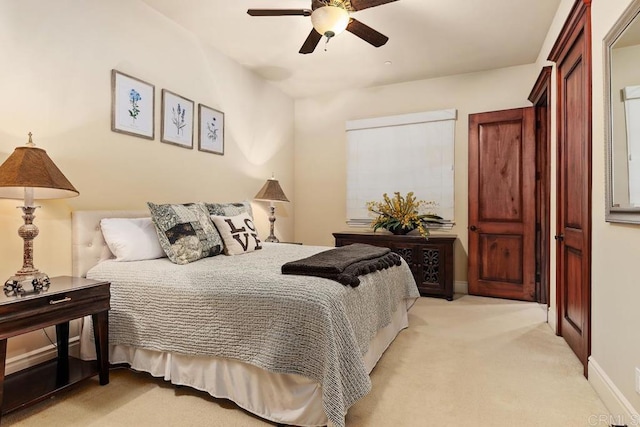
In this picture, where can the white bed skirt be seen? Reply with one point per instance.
(282, 398)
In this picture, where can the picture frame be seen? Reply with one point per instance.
(132, 106)
(211, 130)
(177, 120)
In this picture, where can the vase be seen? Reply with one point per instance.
(401, 231)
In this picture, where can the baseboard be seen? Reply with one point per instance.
(460, 287)
(34, 357)
(621, 411)
(552, 319)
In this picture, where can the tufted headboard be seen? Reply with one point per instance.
(88, 245)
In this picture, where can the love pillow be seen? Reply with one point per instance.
(238, 233)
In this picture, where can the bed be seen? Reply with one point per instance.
(291, 349)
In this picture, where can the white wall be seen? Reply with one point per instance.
(55, 82)
(320, 157)
(615, 288)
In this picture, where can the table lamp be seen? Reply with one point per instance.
(28, 173)
(271, 192)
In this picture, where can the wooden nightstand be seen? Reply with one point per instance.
(66, 299)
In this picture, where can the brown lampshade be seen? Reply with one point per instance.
(271, 191)
(30, 167)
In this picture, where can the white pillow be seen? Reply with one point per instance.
(131, 239)
(238, 233)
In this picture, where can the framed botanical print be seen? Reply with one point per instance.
(177, 120)
(132, 105)
(211, 130)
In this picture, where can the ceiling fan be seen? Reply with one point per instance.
(330, 18)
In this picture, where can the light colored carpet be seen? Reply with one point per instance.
(470, 362)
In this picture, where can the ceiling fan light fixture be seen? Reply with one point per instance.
(330, 21)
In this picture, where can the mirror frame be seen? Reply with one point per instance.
(614, 214)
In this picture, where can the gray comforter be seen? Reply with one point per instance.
(242, 307)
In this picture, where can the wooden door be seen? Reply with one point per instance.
(572, 54)
(502, 204)
(540, 97)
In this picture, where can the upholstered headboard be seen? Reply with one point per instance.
(88, 245)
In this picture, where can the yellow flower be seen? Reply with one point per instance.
(402, 214)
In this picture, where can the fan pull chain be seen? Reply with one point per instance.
(326, 43)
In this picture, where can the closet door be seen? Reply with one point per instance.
(540, 97)
(572, 55)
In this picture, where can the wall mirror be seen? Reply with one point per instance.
(622, 104)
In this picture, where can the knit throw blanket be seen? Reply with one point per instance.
(344, 264)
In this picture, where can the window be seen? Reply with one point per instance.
(632, 111)
(411, 152)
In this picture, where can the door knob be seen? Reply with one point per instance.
(473, 228)
(559, 237)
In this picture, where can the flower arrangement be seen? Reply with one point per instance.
(401, 215)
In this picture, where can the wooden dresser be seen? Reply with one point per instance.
(430, 260)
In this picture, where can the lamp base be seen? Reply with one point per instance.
(272, 219)
(272, 239)
(24, 283)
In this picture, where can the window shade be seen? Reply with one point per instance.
(411, 152)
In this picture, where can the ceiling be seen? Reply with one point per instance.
(427, 39)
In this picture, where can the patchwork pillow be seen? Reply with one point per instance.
(185, 232)
(229, 209)
(131, 239)
(238, 232)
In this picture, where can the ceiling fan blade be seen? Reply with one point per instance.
(279, 12)
(366, 4)
(311, 42)
(366, 33)
(315, 4)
